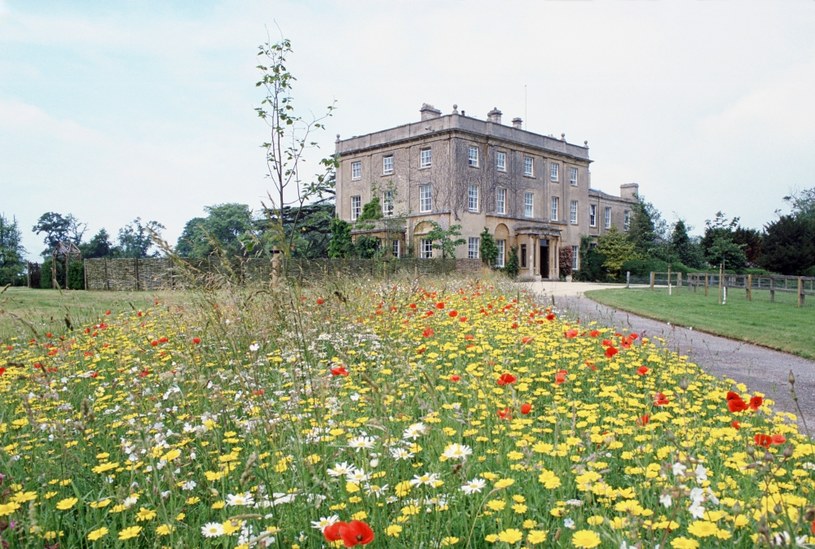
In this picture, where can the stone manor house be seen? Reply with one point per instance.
(529, 190)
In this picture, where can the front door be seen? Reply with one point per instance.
(544, 258)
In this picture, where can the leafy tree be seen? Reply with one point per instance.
(193, 241)
(224, 231)
(12, 266)
(313, 232)
(724, 251)
(290, 139)
(367, 247)
(513, 266)
(59, 228)
(487, 248)
(683, 248)
(135, 238)
(750, 241)
(98, 246)
(340, 244)
(789, 245)
(617, 249)
(445, 239)
(802, 203)
(371, 211)
(591, 261)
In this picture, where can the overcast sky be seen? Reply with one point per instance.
(122, 109)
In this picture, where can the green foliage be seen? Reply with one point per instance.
(724, 251)
(684, 249)
(136, 238)
(617, 249)
(98, 246)
(647, 228)
(789, 245)
(290, 139)
(371, 211)
(565, 261)
(223, 231)
(591, 262)
(366, 247)
(76, 275)
(487, 248)
(802, 203)
(446, 240)
(74, 280)
(513, 266)
(340, 244)
(12, 266)
(58, 228)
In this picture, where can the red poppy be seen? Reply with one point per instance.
(731, 395)
(660, 399)
(526, 408)
(144, 373)
(339, 371)
(428, 332)
(154, 343)
(560, 376)
(763, 440)
(332, 531)
(506, 379)
(778, 439)
(735, 424)
(594, 333)
(505, 413)
(736, 404)
(455, 378)
(607, 343)
(2, 371)
(642, 370)
(812, 527)
(452, 314)
(196, 340)
(611, 351)
(571, 334)
(514, 326)
(526, 339)
(591, 365)
(756, 402)
(550, 317)
(440, 305)
(356, 533)
(643, 420)
(469, 337)
(320, 301)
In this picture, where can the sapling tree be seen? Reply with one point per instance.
(291, 137)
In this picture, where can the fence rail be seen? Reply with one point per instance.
(801, 286)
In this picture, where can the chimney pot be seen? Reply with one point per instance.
(429, 111)
(517, 122)
(494, 115)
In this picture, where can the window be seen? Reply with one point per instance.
(395, 248)
(472, 156)
(573, 212)
(500, 200)
(356, 170)
(529, 204)
(387, 164)
(523, 256)
(573, 175)
(529, 166)
(555, 207)
(387, 203)
(501, 161)
(426, 249)
(575, 258)
(356, 207)
(607, 217)
(425, 198)
(554, 171)
(472, 198)
(425, 158)
(626, 220)
(502, 248)
(473, 247)
(592, 215)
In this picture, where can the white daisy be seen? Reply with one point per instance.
(457, 451)
(359, 443)
(212, 530)
(324, 522)
(340, 469)
(474, 486)
(235, 500)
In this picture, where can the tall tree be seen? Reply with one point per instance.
(12, 266)
(135, 238)
(789, 245)
(446, 240)
(224, 231)
(617, 249)
(648, 230)
(341, 244)
(683, 248)
(290, 139)
(719, 243)
(98, 246)
(802, 203)
(59, 228)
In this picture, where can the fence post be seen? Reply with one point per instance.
(628, 279)
(653, 277)
(678, 279)
(800, 291)
(706, 284)
(772, 290)
(749, 287)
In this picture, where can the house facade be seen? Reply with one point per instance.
(530, 191)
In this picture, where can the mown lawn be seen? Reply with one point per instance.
(451, 413)
(779, 325)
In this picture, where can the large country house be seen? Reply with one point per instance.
(528, 190)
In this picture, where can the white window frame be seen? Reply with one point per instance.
(607, 217)
(501, 161)
(396, 248)
(529, 204)
(626, 220)
(573, 205)
(472, 156)
(573, 176)
(529, 166)
(502, 250)
(554, 210)
(425, 157)
(554, 171)
(356, 170)
(592, 215)
(473, 247)
(387, 164)
(356, 207)
(425, 198)
(501, 200)
(575, 258)
(387, 203)
(425, 248)
(472, 198)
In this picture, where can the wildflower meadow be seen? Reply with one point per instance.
(389, 414)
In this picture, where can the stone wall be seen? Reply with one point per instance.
(123, 274)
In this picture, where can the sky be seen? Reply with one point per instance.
(133, 108)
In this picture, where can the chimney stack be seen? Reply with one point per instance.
(494, 115)
(517, 123)
(429, 111)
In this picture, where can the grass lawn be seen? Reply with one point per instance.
(24, 310)
(780, 325)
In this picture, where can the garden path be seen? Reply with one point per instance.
(759, 368)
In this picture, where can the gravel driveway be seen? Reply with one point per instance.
(759, 368)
